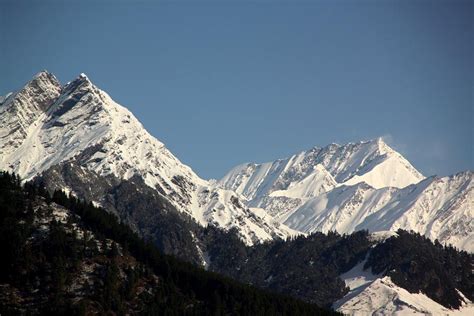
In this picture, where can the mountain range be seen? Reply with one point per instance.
(365, 185)
(75, 138)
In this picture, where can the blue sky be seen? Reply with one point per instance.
(221, 83)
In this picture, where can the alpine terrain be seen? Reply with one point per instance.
(365, 185)
(45, 124)
(352, 227)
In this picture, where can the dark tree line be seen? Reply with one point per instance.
(417, 264)
(45, 264)
(307, 268)
(304, 267)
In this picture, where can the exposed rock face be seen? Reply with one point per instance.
(20, 110)
(46, 125)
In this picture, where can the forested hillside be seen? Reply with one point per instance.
(62, 255)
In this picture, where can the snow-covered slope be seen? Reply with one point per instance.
(18, 111)
(377, 295)
(373, 162)
(341, 209)
(315, 183)
(383, 297)
(366, 185)
(439, 208)
(45, 124)
(285, 184)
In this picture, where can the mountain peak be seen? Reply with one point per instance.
(23, 108)
(42, 73)
(382, 146)
(379, 140)
(81, 80)
(315, 171)
(35, 97)
(375, 144)
(43, 81)
(84, 126)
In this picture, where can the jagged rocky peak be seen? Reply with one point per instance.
(373, 162)
(79, 93)
(351, 159)
(364, 185)
(36, 96)
(20, 110)
(81, 81)
(85, 126)
(339, 163)
(40, 92)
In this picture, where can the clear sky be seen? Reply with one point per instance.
(227, 82)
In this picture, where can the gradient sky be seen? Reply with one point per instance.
(227, 82)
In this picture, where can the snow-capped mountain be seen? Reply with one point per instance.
(45, 124)
(76, 137)
(439, 208)
(367, 185)
(285, 184)
(20, 110)
(373, 162)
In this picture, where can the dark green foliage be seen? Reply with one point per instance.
(305, 267)
(144, 209)
(15, 227)
(111, 297)
(42, 266)
(416, 264)
(309, 267)
(157, 220)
